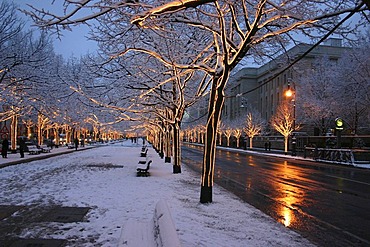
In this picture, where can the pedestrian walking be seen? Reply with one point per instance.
(22, 147)
(266, 146)
(4, 148)
(76, 143)
(269, 146)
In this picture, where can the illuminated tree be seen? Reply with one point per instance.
(237, 133)
(29, 124)
(283, 121)
(236, 29)
(42, 122)
(219, 132)
(253, 126)
(227, 132)
(232, 128)
(237, 129)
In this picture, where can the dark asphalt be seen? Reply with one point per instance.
(326, 203)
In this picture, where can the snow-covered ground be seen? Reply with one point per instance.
(85, 179)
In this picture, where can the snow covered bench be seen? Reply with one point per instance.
(144, 153)
(70, 145)
(160, 231)
(33, 149)
(142, 169)
(45, 149)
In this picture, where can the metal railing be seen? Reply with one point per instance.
(334, 155)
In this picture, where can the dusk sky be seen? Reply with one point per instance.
(73, 42)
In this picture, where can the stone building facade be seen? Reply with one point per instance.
(262, 89)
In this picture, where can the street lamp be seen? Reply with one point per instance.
(290, 93)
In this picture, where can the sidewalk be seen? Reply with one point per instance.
(101, 185)
(14, 158)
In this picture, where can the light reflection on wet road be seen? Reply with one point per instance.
(328, 204)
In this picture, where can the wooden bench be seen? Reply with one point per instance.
(33, 149)
(143, 169)
(160, 231)
(45, 149)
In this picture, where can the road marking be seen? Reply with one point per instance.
(351, 180)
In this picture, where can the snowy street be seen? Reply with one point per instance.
(104, 180)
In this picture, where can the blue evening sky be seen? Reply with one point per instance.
(73, 42)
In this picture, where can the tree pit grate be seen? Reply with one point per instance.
(65, 214)
(107, 166)
(8, 210)
(38, 243)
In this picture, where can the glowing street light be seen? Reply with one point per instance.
(290, 93)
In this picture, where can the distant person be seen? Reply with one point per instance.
(22, 147)
(269, 146)
(266, 146)
(76, 143)
(83, 143)
(4, 148)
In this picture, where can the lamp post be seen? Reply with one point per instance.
(290, 93)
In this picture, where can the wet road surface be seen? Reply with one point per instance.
(328, 204)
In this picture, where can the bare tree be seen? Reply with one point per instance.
(317, 92)
(10, 26)
(336, 88)
(353, 95)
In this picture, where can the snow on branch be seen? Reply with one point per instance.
(46, 19)
(160, 58)
(170, 7)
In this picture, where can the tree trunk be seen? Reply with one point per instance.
(250, 142)
(216, 101)
(286, 138)
(161, 140)
(167, 135)
(57, 137)
(13, 133)
(39, 130)
(176, 149)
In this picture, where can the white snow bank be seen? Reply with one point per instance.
(116, 195)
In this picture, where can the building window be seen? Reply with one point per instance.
(272, 101)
